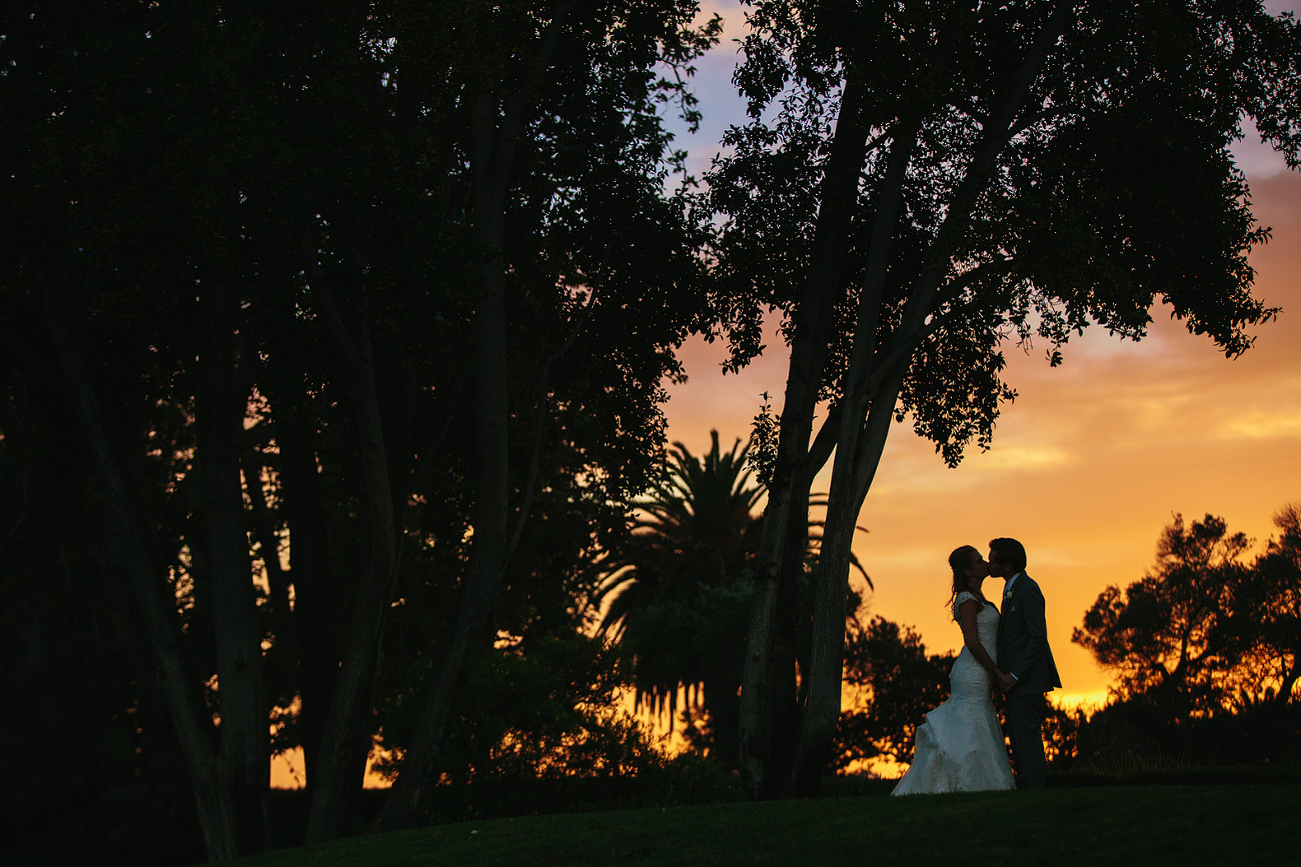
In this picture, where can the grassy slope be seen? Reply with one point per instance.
(1144, 825)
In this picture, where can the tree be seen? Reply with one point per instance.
(679, 597)
(92, 771)
(921, 182)
(82, 143)
(1203, 650)
(562, 126)
(1204, 631)
(1268, 609)
(292, 320)
(1165, 636)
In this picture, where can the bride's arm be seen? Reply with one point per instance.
(967, 611)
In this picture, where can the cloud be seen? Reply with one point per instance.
(1023, 457)
(1264, 425)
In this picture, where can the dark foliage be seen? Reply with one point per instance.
(895, 683)
(544, 707)
(1139, 736)
(251, 226)
(1205, 631)
(1204, 649)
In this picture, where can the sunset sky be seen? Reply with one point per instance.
(1092, 459)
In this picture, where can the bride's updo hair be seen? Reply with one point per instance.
(959, 561)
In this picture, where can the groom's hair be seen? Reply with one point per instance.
(1009, 552)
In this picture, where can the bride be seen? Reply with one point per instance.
(960, 747)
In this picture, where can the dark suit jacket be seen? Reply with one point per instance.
(1023, 639)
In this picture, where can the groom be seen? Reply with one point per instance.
(1024, 654)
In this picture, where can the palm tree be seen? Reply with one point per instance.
(679, 597)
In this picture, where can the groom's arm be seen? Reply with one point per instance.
(1036, 627)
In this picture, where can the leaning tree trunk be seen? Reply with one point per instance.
(148, 580)
(823, 708)
(471, 632)
(345, 738)
(244, 760)
(761, 689)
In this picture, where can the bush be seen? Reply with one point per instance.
(1138, 735)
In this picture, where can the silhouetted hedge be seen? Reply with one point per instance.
(1127, 737)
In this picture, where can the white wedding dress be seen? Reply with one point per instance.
(960, 747)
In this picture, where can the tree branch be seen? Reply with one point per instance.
(921, 300)
(823, 444)
(539, 403)
(436, 441)
(899, 347)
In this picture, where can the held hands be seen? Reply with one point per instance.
(1006, 681)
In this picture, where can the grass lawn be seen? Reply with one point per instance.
(1130, 825)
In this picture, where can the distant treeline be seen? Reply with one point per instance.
(1205, 651)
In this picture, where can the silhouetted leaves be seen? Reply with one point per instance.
(895, 683)
(679, 595)
(1205, 631)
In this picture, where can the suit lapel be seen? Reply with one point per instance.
(1002, 612)
(1009, 599)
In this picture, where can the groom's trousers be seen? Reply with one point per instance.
(1025, 720)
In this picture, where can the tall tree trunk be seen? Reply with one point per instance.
(472, 628)
(316, 591)
(765, 668)
(149, 586)
(787, 672)
(345, 740)
(245, 756)
(723, 703)
(827, 653)
(494, 136)
(492, 155)
(822, 709)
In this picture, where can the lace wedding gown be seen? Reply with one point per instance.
(960, 747)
